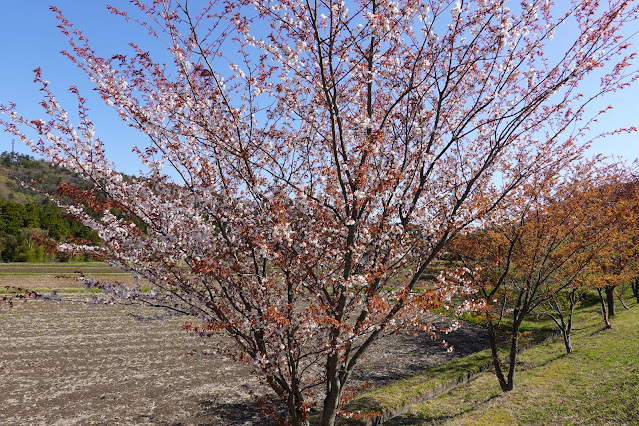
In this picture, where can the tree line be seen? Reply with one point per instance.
(29, 232)
(565, 239)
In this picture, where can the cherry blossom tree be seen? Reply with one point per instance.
(307, 161)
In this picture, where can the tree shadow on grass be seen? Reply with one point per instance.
(413, 419)
(524, 366)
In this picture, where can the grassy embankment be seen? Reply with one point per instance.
(597, 384)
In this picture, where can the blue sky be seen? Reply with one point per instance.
(29, 39)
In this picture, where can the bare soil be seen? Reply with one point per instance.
(62, 281)
(57, 267)
(72, 362)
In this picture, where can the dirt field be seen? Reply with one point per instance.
(49, 276)
(76, 363)
(54, 281)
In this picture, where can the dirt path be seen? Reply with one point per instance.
(76, 363)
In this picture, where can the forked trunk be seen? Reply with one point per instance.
(334, 388)
(566, 331)
(506, 383)
(492, 335)
(294, 400)
(298, 418)
(514, 350)
(329, 412)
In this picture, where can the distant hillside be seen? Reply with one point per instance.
(29, 222)
(10, 190)
(16, 168)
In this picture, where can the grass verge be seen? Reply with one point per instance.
(546, 383)
(597, 384)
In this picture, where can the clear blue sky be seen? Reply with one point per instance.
(29, 39)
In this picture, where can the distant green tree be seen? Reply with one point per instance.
(32, 216)
(12, 217)
(30, 248)
(26, 225)
(9, 245)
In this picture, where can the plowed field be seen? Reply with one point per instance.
(73, 362)
(77, 363)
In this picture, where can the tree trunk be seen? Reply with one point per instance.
(514, 351)
(294, 402)
(492, 335)
(573, 303)
(620, 297)
(567, 329)
(510, 384)
(329, 413)
(604, 310)
(333, 392)
(635, 287)
(610, 299)
(298, 418)
(564, 323)
(567, 342)
(507, 383)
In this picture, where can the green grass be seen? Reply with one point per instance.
(546, 380)
(597, 384)
(421, 385)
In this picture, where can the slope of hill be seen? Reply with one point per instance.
(29, 222)
(16, 168)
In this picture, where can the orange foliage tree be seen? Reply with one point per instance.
(608, 211)
(617, 264)
(536, 255)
